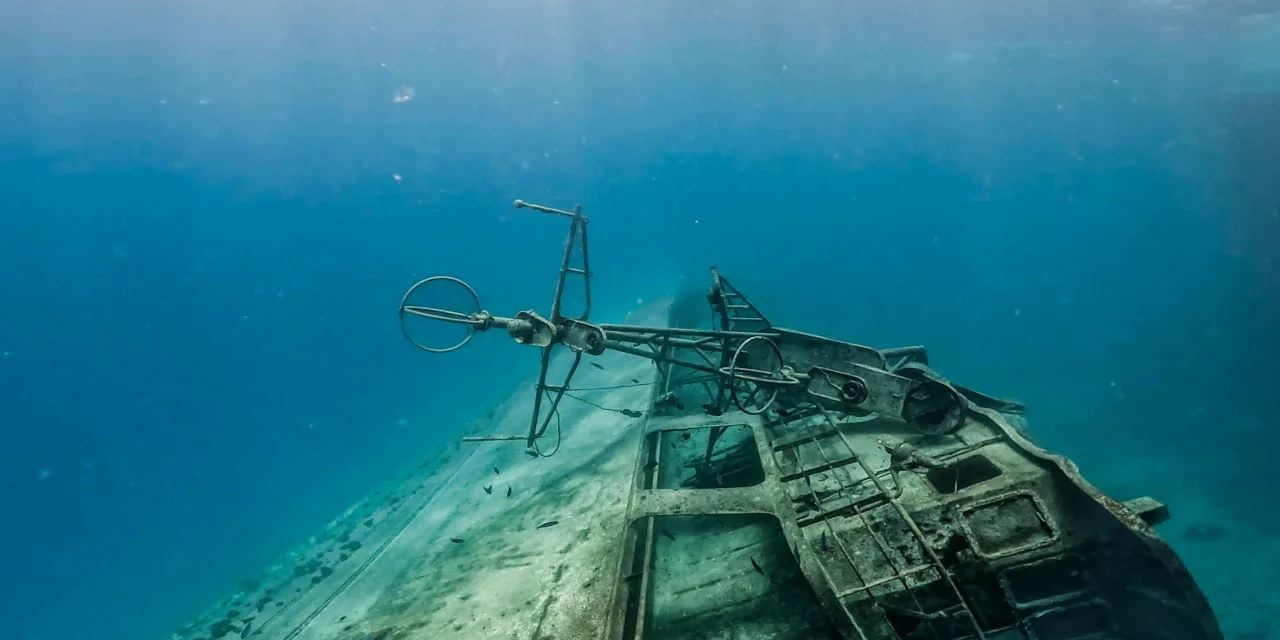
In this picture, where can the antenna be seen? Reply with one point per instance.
(754, 365)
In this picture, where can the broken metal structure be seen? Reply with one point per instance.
(913, 507)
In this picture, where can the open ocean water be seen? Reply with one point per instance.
(209, 211)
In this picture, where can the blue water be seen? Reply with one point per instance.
(209, 211)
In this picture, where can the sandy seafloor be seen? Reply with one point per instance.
(1239, 572)
(387, 568)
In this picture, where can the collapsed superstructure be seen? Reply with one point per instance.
(875, 499)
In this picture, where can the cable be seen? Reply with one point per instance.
(622, 411)
(559, 438)
(619, 386)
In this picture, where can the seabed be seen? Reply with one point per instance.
(387, 568)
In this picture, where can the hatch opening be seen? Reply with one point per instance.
(962, 474)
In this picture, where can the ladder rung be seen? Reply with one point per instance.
(841, 510)
(796, 442)
(796, 475)
(883, 581)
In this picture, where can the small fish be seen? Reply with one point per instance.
(756, 566)
(244, 633)
(597, 366)
(549, 523)
(679, 405)
(457, 540)
(1205, 532)
(489, 489)
(668, 535)
(686, 435)
(635, 381)
(496, 472)
(651, 464)
(531, 454)
(795, 549)
(508, 492)
(822, 541)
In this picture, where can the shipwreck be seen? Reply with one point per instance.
(737, 480)
(912, 506)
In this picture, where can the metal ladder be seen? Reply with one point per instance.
(853, 499)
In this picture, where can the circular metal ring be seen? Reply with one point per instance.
(756, 376)
(933, 408)
(455, 317)
(854, 391)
